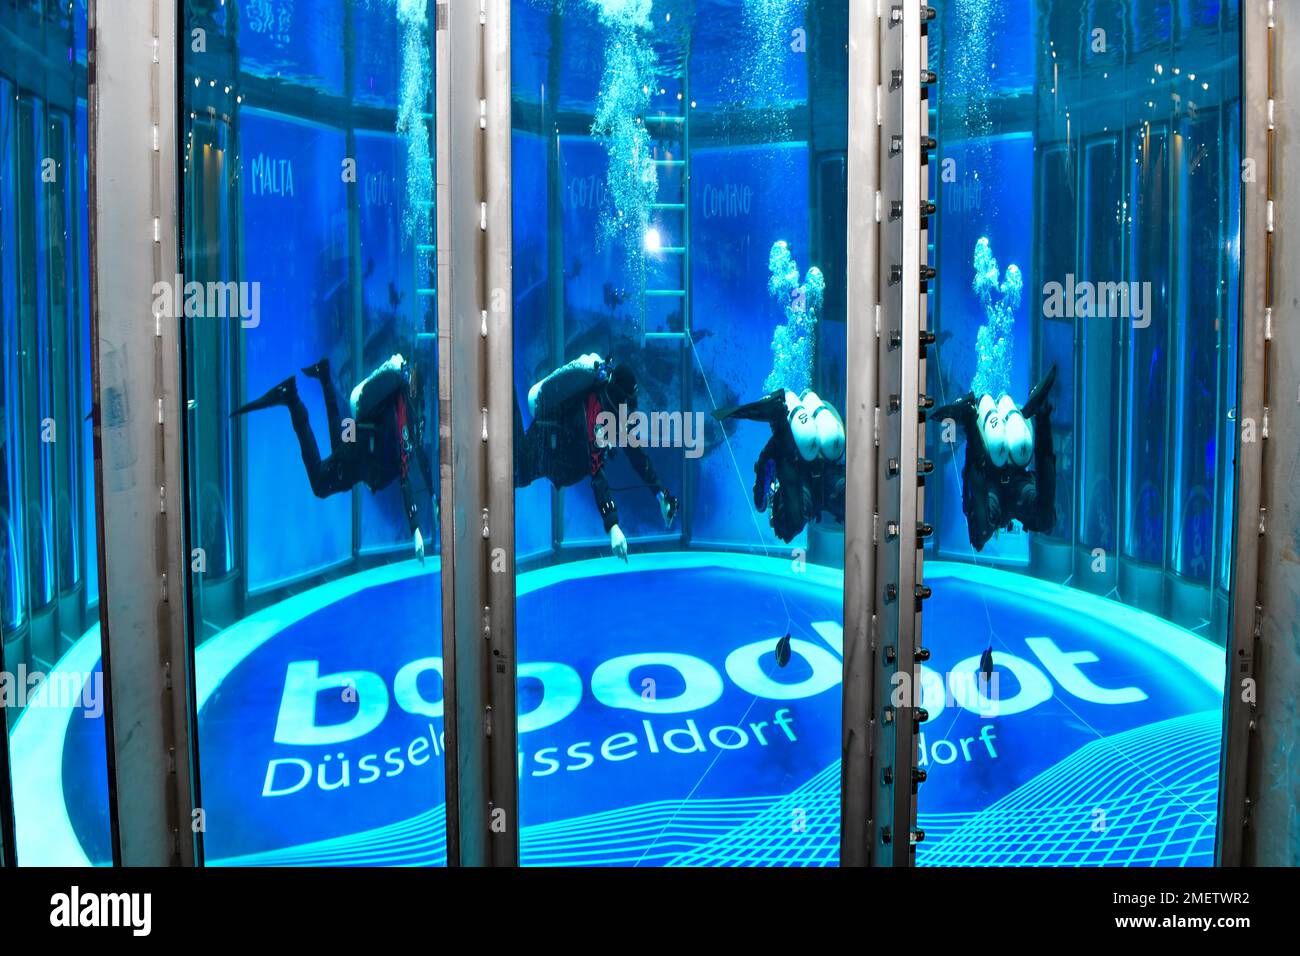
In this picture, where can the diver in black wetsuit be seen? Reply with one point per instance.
(564, 443)
(800, 471)
(1001, 440)
(381, 444)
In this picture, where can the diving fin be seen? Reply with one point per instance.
(783, 650)
(1039, 394)
(282, 394)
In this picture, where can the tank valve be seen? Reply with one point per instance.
(928, 209)
(928, 13)
(922, 655)
(918, 836)
(918, 778)
(887, 776)
(895, 210)
(929, 77)
(923, 531)
(924, 466)
(920, 715)
(891, 592)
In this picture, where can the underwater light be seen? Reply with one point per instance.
(653, 241)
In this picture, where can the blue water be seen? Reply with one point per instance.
(679, 200)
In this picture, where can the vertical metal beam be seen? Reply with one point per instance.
(137, 417)
(856, 792)
(498, 365)
(1250, 525)
(455, 753)
(475, 326)
(1273, 785)
(899, 528)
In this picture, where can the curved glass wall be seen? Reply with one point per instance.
(1088, 203)
(679, 225)
(311, 384)
(51, 687)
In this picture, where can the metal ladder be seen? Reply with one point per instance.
(673, 128)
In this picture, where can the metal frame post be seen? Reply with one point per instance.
(137, 429)
(863, 297)
(1258, 290)
(476, 430)
(900, 423)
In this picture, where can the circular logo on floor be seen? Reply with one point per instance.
(656, 726)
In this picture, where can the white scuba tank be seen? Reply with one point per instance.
(801, 425)
(829, 427)
(1019, 433)
(992, 430)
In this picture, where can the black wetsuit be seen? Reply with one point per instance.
(806, 489)
(993, 497)
(387, 445)
(560, 444)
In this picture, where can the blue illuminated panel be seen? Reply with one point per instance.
(295, 244)
(1103, 749)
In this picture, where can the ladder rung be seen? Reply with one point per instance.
(666, 293)
(664, 335)
(670, 162)
(425, 247)
(426, 291)
(672, 250)
(668, 205)
(665, 119)
(426, 335)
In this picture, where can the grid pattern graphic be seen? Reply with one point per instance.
(1144, 797)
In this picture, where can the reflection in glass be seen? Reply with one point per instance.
(310, 374)
(1075, 687)
(51, 687)
(679, 274)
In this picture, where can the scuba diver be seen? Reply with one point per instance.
(800, 471)
(1001, 441)
(565, 442)
(381, 444)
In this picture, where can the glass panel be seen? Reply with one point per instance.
(309, 266)
(1088, 267)
(51, 686)
(679, 226)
